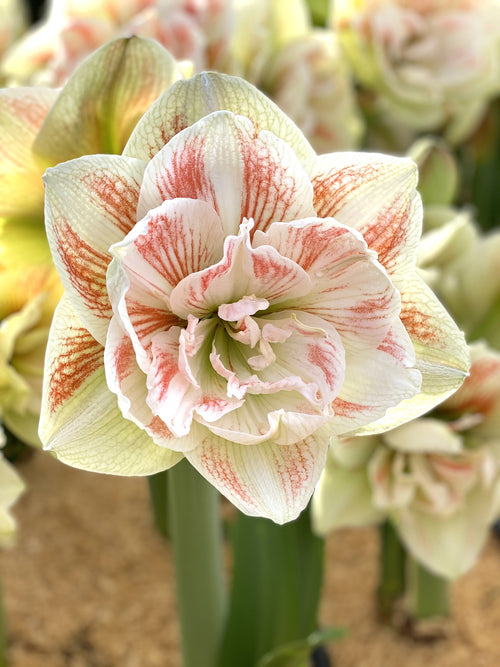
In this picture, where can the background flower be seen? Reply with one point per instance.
(432, 65)
(72, 29)
(271, 44)
(437, 478)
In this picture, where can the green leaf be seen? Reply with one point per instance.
(276, 588)
(298, 653)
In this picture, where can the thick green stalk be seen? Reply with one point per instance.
(392, 572)
(277, 577)
(195, 530)
(428, 594)
(158, 493)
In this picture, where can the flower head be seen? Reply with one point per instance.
(222, 304)
(433, 64)
(437, 478)
(313, 63)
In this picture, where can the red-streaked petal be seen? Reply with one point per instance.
(90, 204)
(279, 418)
(243, 271)
(185, 102)
(80, 419)
(180, 237)
(376, 195)
(173, 393)
(442, 354)
(128, 382)
(307, 357)
(266, 480)
(240, 172)
(141, 311)
(350, 289)
(181, 381)
(480, 393)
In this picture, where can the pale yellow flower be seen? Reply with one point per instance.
(29, 284)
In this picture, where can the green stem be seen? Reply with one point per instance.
(196, 536)
(277, 577)
(158, 493)
(427, 593)
(392, 573)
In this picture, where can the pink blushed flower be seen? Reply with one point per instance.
(220, 305)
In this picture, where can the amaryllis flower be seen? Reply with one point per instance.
(432, 64)
(222, 304)
(437, 478)
(314, 65)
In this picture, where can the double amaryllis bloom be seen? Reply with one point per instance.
(433, 63)
(437, 478)
(224, 300)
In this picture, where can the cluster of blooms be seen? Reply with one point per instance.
(270, 43)
(236, 290)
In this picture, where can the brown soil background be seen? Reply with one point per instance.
(90, 584)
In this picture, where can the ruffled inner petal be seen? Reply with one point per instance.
(243, 271)
(350, 289)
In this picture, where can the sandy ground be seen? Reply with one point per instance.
(90, 584)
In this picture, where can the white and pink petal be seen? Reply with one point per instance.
(350, 289)
(179, 237)
(280, 418)
(243, 271)
(141, 311)
(240, 172)
(376, 380)
(90, 204)
(80, 419)
(268, 480)
(307, 357)
(375, 194)
(480, 393)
